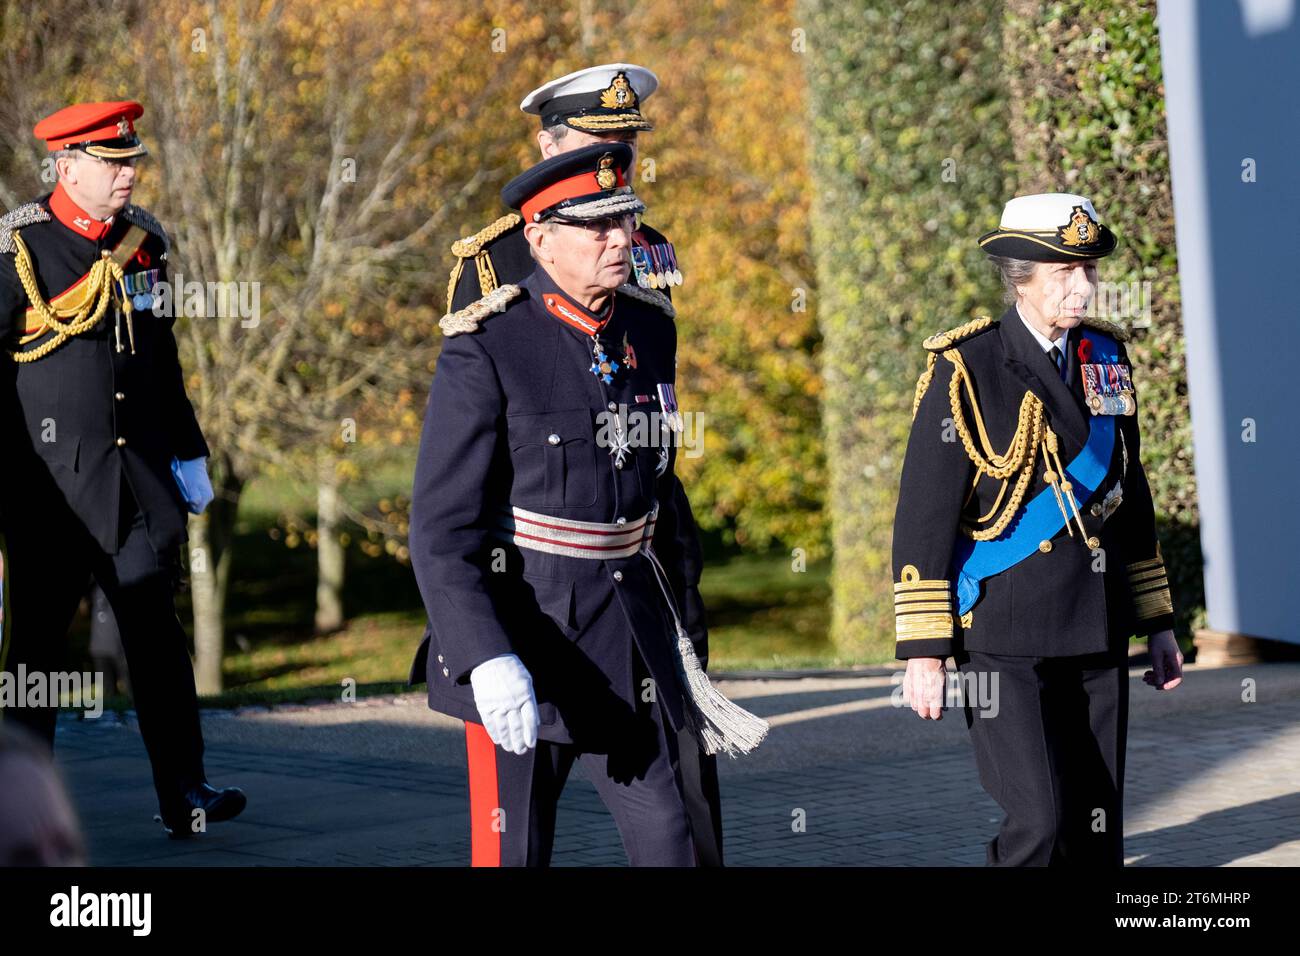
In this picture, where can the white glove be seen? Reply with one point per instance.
(503, 693)
(192, 479)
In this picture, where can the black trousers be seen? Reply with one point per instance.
(703, 798)
(1050, 751)
(513, 797)
(49, 568)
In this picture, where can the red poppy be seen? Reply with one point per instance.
(1085, 350)
(143, 258)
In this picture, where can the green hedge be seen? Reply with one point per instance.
(1087, 108)
(897, 89)
(1022, 97)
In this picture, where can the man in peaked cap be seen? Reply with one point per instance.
(594, 105)
(600, 104)
(1025, 541)
(103, 454)
(545, 464)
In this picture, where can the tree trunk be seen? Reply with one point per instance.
(211, 534)
(330, 556)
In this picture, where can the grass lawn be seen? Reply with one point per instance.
(762, 614)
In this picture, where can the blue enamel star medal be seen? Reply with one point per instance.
(604, 367)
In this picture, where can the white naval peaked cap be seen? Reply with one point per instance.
(597, 99)
(1043, 212)
(1049, 227)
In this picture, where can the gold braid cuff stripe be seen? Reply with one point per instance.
(1149, 565)
(936, 595)
(1153, 604)
(1146, 577)
(922, 608)
(1149, 583)
(924, 627)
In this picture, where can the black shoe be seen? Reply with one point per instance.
(217, 805)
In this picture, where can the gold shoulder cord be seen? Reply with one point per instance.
(940, 343)
(473, 247)
(456, 270)
(83, 312)
(1017, 462)
(923, 383)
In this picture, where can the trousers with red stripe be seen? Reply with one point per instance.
(513, 797)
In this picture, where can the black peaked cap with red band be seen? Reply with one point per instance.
(578, 186)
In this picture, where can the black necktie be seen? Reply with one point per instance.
(1058, 358)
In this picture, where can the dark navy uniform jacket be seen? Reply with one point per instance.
(1059, 601)
(512, 419)
(111, 414)
(678, 543)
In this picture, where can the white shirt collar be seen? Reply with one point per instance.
(1043, 341)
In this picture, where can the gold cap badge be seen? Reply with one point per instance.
(619, 95)
(605, 176)
(1081, 230)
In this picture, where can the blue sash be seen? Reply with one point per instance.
(1041, 518)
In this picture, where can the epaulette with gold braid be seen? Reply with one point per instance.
(1116, 332)
(946, 340)
(653, 296)
(473, 245)
(18, 217)
(468, 318)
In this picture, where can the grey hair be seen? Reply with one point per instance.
(557, 132)
(549, 226)
(59, 154)
(1014, 272)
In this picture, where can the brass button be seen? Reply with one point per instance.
(121, 442)
(620, 522)
(613, 407)
(440, 660)
(445, 672)
(1044, 546)
(618, 575)
(1094, 543)
(119, 396)
(553, 438)
(1096, 509)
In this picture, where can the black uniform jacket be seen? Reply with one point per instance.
(512, 420)
(83, 417)
(1066, 598)
(505, 250)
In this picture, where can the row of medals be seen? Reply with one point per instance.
(656, 266)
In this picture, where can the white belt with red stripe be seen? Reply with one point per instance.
(576, 539)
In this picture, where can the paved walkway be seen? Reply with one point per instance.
(1212, 781)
